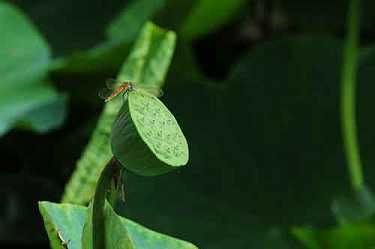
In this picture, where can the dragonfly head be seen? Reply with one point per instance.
(130, 86)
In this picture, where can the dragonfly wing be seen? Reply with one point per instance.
(156, 91)
(111, 83)
(105, 93)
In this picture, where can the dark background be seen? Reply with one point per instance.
(257, 99)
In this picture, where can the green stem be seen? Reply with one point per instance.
(102, 187)
(348, 87)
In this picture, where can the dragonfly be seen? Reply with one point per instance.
(123, 87)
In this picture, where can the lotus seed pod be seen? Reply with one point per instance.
(146, 138)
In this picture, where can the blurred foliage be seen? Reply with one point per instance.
(344, 237)
(120, 32)
(25, 96)
(255, 90)
(208, 15)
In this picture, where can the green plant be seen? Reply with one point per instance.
(146, 139)
(142, 120)
(274, 96)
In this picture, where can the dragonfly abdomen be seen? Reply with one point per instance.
(118, 90)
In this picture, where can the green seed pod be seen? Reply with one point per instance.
(146, 138)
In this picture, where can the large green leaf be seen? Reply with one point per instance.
(48, 115)
(147, 64)
(23, 94)
(69, 221)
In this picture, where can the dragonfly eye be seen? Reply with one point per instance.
(131, 87)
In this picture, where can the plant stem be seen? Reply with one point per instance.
(348, 92)
(98, 225)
